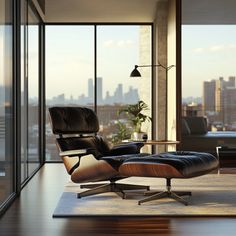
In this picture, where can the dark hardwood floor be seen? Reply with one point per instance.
(31, 215)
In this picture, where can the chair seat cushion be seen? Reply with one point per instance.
(179, 164)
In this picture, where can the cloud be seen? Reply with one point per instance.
(109, 43)
(198, 50)
(119, 43)
(217, 48)
(232, 46)
(124, 43)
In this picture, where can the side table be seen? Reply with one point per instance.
(155, 142)
(226, 157)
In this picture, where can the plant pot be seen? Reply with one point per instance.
(139, 136)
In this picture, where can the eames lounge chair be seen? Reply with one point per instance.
(87, 156)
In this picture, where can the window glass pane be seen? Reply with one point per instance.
(208, 83)
(69, 72)
(119, 48)
(6, 111)
(212, 89)
(24, 93)
(33, 91)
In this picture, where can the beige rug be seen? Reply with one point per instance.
(212, 195)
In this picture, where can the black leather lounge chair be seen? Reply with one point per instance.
(87, 156)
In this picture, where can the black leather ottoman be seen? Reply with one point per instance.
(168, 165)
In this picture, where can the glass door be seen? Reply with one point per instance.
(6, 102)
(30, 80)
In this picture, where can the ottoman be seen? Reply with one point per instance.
(168, 165)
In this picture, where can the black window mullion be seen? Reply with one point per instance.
(95, 68)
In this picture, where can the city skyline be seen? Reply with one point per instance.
(207, 53)
(118, 97)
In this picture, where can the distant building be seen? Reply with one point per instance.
(229, 105)
(219, 87)
(90, 90)
(219, 100)
(99, 91)
(118, 95)
(60, 99)
(208, 101)
(192, 109)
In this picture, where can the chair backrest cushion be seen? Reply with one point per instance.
(73, 120)
(185, 130)
(197, 125)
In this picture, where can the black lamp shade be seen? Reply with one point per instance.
(135, 73)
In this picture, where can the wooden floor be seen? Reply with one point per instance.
(31, 215)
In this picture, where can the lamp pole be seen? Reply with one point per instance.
(136, 73)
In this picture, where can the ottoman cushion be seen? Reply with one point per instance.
(179, 164)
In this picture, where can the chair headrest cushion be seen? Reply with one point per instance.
(73, 120)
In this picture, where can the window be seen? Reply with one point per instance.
(119, 48)
(208, 62)
(69, 72)
(6, 102)
(33, 92)
(74, 53)
(30, 80)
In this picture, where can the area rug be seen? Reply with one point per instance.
(212, 195)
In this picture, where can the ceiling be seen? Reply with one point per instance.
(112, 11)
(208, 11)
(101, 11)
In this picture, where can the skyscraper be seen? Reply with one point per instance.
(219, 88)
(219, 97)
(90, 91)
(209, 95)
(229, 105)
(90, 88)
(118, 95)
(99, 91)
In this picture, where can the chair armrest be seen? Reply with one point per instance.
(71, 166)
(127, 148)
(76, 152)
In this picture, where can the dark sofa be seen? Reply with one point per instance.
(196, 137)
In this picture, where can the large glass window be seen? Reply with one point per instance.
(69, 72)
(30, 112)
(71, 59)
(212, 91)
(208, 83)
(24, 92)
(6, 103)
(33, 91)
(119, 48)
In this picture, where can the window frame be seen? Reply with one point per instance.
(96, 25)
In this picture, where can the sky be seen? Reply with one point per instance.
(208, 52)
(70, 57)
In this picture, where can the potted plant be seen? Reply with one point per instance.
(136, 117)
(122, 133)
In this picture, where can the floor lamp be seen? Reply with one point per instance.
(136, 73)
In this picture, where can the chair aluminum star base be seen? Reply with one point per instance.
(176, 195)
(117, 188)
